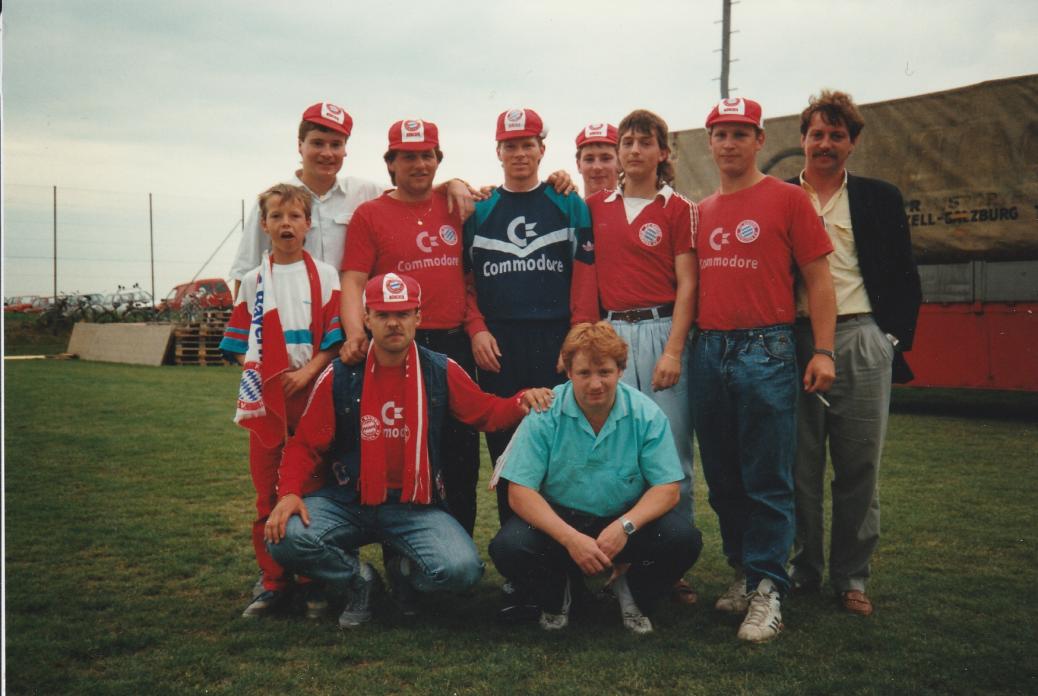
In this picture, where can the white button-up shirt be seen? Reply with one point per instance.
(329, 217)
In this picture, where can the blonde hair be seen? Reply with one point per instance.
(288, 194)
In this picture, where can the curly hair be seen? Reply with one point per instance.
(599, 340)
(837, 108)
(647, 123)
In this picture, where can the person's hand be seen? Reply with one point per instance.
(291, 504)
(585, 553)
(485, 191)
(667, 372)
(486, 352)
(354, 349)
(539, 399)
(561, 182)
(820, 373)
(295, 381)
(461, 197)
(612, 539)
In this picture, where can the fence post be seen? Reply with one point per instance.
(151, 244)
(55, 218)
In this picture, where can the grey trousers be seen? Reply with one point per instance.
(855, 426)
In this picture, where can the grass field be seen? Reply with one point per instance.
(128, 563)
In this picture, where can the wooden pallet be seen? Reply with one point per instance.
(198, 343)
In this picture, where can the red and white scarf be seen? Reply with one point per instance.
(261, 404)
(417, 475)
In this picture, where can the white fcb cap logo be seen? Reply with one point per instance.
(733, 106)
(596, 130)
(515, 120)
(412, 131)
(333, 113)
(394, 289)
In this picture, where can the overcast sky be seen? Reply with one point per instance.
(198, 102)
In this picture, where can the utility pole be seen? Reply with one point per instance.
(151, 241)
(726, 44)
(55, 242)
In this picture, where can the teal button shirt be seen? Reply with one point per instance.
(558, 454)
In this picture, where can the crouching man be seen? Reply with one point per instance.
(593, 482)
(375, 428)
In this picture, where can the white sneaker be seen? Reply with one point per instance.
(734, 600)
(556, 622)
(634, 620)
(764, 618)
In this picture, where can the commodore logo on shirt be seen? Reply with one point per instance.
(391, 413)
(514, 234)
(718, 238)
(426, 242)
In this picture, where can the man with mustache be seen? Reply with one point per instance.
(371, 432)
(877, 301)
(411, 230)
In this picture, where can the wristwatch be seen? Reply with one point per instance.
(628, 526)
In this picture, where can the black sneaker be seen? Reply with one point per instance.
(398, 569)
(265, 603)
(315, 601)
(358, 608)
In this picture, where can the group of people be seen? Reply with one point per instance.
(378, 331)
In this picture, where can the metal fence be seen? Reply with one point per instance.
(70, 240)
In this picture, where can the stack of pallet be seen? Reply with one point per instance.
(198, 343)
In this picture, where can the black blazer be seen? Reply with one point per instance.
(885, 258)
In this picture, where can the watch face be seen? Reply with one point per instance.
(628, 526)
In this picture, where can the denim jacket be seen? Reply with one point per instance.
(347, 384)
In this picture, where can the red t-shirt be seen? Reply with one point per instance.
(747, 245)
(385, 235)
(390, 387)
(635, 260)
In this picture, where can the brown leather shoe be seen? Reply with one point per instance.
(857, 602)
(683, 593)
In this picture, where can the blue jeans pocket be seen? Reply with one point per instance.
(779, 346)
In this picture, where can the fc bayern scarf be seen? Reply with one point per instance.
(261, 399)
(417, 476)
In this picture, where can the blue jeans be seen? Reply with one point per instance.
(744, 387)
(443, 556)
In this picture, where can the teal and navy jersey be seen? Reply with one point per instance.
(532, 256)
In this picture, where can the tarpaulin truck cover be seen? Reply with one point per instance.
(965, 159)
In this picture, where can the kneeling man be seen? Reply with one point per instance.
(376, 427)
(593, 483)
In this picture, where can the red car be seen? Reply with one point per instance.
(22, 303)
(208, 292)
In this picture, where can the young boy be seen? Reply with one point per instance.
(284, 331)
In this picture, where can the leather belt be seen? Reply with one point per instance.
(633, 315)
(847, 317)
(840, 318)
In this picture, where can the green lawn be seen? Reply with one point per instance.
(128, 562)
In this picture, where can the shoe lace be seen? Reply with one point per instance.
(760, 606)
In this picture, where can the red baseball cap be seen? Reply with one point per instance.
(390, 292)
(520, 123)
(330, 116)
(736, 110)
(413, 134)
(597, 133)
